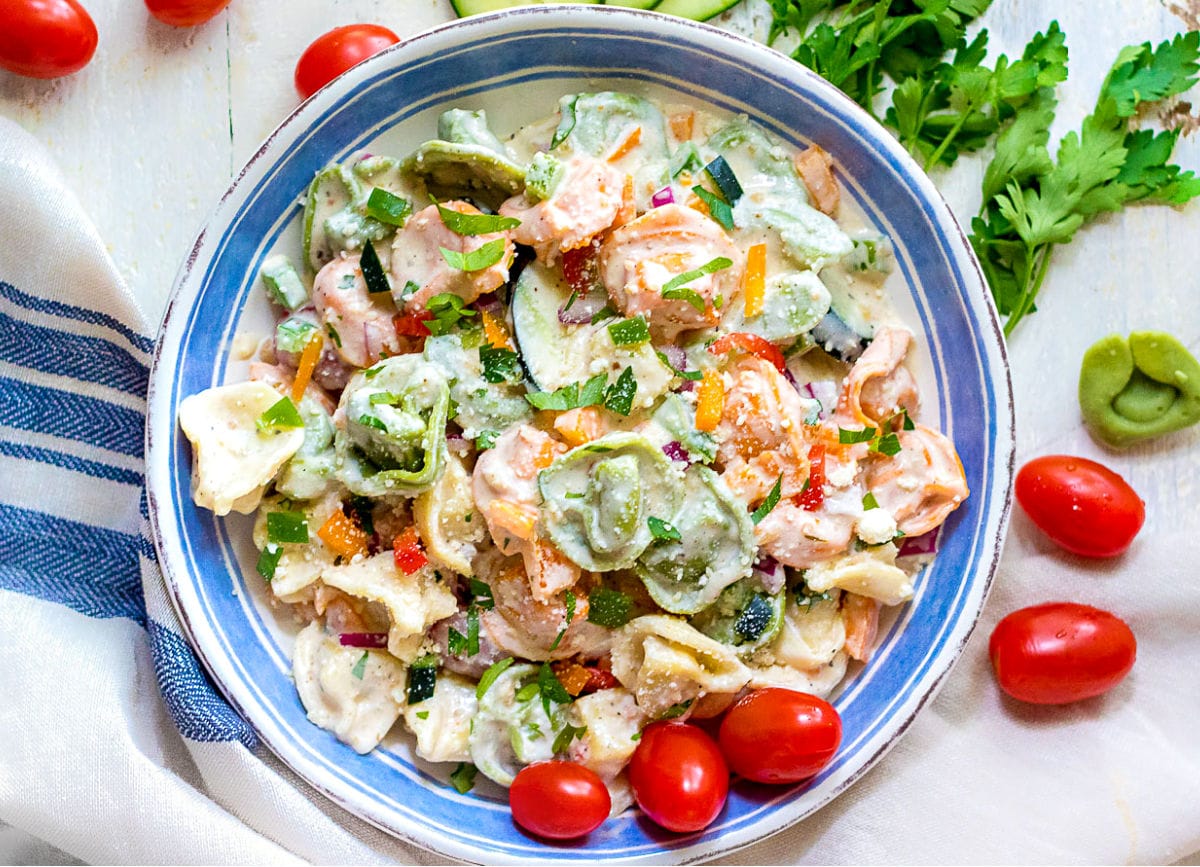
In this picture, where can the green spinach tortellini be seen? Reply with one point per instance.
(598, 499)
(715, 547)
(393, 436)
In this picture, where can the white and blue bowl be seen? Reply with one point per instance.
(516, 64)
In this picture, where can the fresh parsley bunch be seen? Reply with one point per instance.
(1032, 203)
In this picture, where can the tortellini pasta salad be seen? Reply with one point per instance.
(557, 435)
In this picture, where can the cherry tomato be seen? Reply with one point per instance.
(776, 735)
(559, 800)
(185, 13)
(46, 38)
(678, 775)
(1083, 506)
(336, 51)
(1061, 652)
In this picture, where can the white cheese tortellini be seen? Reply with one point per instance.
(356, 694)
(612, 720)
(807, 654)
(665, 661)
(512, 728)
(872, 572)
(233, 459)
(445, 517)
(442, 722)
(414, 602)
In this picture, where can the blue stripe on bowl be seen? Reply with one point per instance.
(229, 627)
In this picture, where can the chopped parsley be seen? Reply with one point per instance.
(669, 290)
(570, 600)
(486, 440)
(333, 335)
(888, 444)
(448, 310)
(476, 260)
(463, 777)
(566, 124)
(718, 208)
(869, 502)
(422, 714)
(571, 396)
(605, 312)
(551, 688)
(663, 531)
(482, 594)
(268, 561)
(769, 503)
(527, 692)
(475, 224)
(372, 422)
(850, 437)
(500, 364)
(619, 396)
(489, 677)
(692, 375)
(562, 741)
(676, 710)
(360, 667)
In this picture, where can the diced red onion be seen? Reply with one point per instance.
(363, 639)
(676, 452)
(770, 575)
(491, 303)
(455, 439)
(582, 309)
(665, 196)
(823, 391)
(914, 546)
(676, 356)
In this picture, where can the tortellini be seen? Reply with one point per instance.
(598, 499)
(444, 517)
(393, 434)
(666, 662)
(310, 472)
(871, 572)
(442, 722)
(465, 161)
(512, 728)
(482, 405)
(716, 547)
(414, 602)
(612, 720)
(233, 459)
(356, 694)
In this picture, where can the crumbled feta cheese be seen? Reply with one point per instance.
(876, 526)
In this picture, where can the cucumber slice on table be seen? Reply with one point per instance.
(633, 4)
(697, 10)
(478, 7)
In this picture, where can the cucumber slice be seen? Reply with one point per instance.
(744, 616)
(696, 10)
(555, 355)
(633, 4)
(333, 190)
(478, 7)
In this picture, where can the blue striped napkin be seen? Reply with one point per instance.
(116, 748)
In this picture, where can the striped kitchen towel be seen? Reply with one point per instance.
(114, 746)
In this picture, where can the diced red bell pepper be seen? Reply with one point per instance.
(752, 344)
(811, 498)
(407, 551)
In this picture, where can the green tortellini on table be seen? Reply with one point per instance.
(1137, 388)
(598, 499)
(394, 436)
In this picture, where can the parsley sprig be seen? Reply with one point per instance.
(1032, 203)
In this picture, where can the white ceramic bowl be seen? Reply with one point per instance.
(515, 65)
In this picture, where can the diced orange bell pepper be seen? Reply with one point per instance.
(579, 426)
(342, 535)
(494, 331)
(710, 401)
(630, 142)
(308, 363)
(754, 287)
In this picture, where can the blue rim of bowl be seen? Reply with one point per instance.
(167, 466)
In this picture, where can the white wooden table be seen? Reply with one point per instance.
(152, 131)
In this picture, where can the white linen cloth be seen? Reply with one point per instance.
(115, 748)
